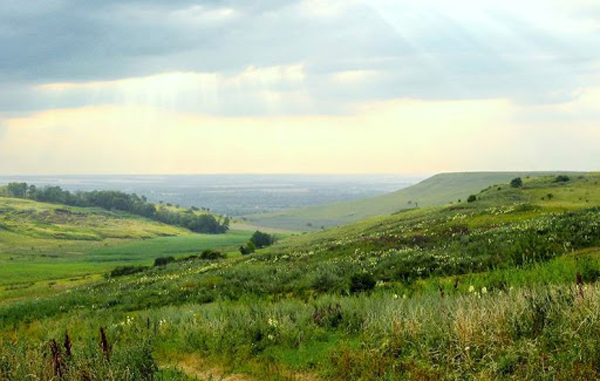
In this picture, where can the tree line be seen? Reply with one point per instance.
(116, 200)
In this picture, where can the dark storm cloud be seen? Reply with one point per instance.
(406, 50)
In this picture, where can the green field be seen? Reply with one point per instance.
(61, 245)
(437, 190)
(504, 287)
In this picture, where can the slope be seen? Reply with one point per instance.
(41, 241)
(437, 190)
(455, 291)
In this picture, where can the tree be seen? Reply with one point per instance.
(260, 239)
(17, 189)
(516, 182)
(472, 198)
(561, 179)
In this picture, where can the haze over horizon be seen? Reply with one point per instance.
(303, 86)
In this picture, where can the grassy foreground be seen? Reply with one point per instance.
(504, 287)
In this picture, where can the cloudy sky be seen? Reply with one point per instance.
(298, 86)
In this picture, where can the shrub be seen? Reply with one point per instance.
(126, 270)
(561, 179)
(163, 261)
(211, 254)
(360, 282)
(472, 198)
(260, 239)
(516, 182)
(326, 280)
(248, 249)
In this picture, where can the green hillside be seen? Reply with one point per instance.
(41, 241)
(503, 287)
(437, 190)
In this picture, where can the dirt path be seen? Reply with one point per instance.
(195, 367)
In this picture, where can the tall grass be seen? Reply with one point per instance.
(528, 333)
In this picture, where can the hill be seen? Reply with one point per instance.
(42, 241)
(503, 287)
(437, 190)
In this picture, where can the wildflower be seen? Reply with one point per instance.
(395, 296)
(270, 337)
(471, 288)
(484, 290)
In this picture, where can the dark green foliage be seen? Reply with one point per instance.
(360, 282)
(589, 269)
(472, 198)
(517, 182)
(260, 239)
(561, 179)
(249, 248)
(211, 255)
(163, 261)
(126, 270)
(17, 189)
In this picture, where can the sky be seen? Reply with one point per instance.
(298, 86)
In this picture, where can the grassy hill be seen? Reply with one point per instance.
(40, 241)
(504, 287)
(437, 190)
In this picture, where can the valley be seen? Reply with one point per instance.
(463, 289)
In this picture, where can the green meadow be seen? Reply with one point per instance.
(55, 245)
(504, 286)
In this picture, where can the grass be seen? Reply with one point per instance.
(45, 247)
(437, 190)
(505, 287)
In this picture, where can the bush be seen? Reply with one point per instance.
(260, 239)
(211, 255)
(326, 280)
(472, 198)
(163, 261)
(561, 179)
(248, 249)
(362, 282)
(126, 270)
(516, 182)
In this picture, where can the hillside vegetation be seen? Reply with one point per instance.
(437, 190)
(503, 287)
(191, 219)
(42, 241)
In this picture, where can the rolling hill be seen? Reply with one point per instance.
(43, 241)
(437, 190)
(503, 287)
